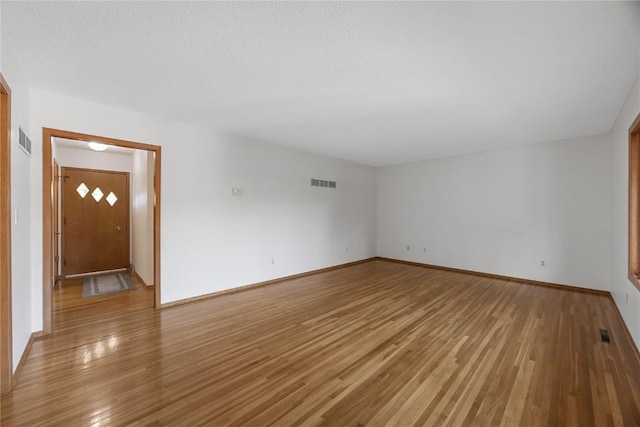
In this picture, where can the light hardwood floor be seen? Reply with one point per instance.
(376, 344)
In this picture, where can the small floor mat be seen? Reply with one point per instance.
(106, 284)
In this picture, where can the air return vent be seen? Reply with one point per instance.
(323, 183)
(24, 142)
(605, 336)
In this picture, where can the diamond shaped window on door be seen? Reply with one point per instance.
(97, 194)
(82, 190)
(111, 199)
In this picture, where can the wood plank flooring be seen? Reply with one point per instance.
(67, 298)
(375, 344)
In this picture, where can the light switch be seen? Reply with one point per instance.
(236, 192)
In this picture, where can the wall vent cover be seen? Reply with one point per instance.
(24, 142)
(605, 336)
(323, 183)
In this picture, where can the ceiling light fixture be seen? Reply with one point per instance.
(96, 146)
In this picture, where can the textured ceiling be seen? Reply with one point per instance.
(376, 83)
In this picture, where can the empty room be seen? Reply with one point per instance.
(320, 213)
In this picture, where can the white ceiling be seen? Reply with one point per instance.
(81, 145)
(376, 83)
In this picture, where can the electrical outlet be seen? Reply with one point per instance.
(408, 247)
(273, 261)
(424, 250)
(347, 249)
(543, 264)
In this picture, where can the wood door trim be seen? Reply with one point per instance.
(127, 201)
(96, 170)
(634, 203)
(47, 211)
(59, 211)
(6, 326)
(57, 227)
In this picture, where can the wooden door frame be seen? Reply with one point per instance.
(6, 326)
(56, 220)
(47, 212)
(62, 211)
(634, 203)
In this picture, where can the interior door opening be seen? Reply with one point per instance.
(6, 327)
(98, 210)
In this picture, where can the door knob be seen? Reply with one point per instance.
(118, 228)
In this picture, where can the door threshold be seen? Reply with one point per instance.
(96, 273)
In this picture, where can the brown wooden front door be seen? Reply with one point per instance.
(95, 212)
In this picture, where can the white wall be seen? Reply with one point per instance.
(620, 284)
(142, 214)
(78, 158)
(21, 248)
(621, 287)
(27, 235)
(212, 240)
(21, 203)
(504, 211)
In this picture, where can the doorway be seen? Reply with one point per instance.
(50, 267)
(6, 330)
